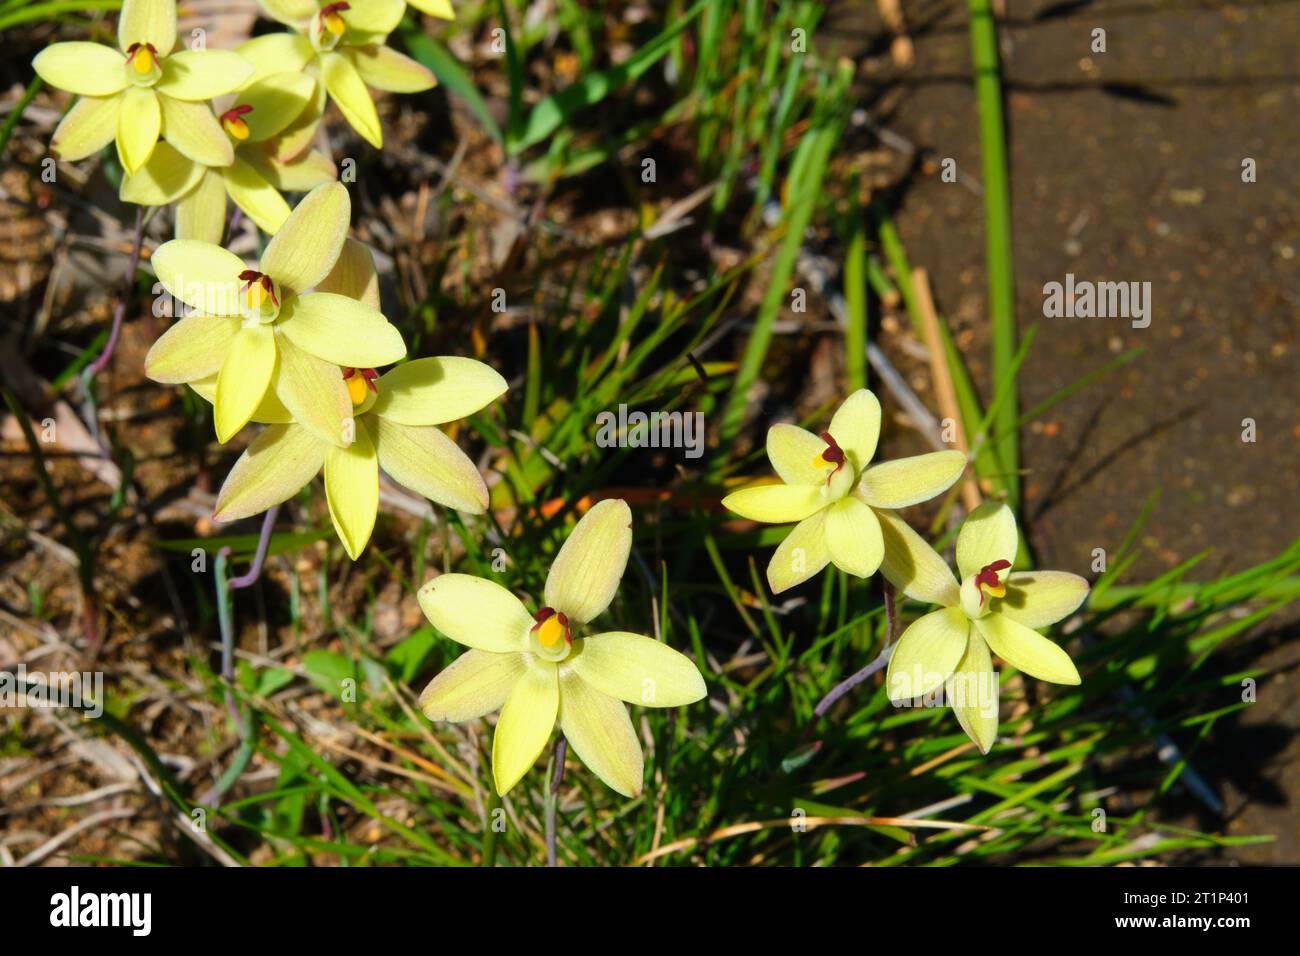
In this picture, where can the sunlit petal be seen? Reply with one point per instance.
(585, 574)
(425, 460)
(352, 488)
(599, 731)
(927, 653)
(525, 725)
(476, 612)
(637, 669)
(431, 391)
(988, 535)
(476, 683)
(275, 467)
(1027, 650)
(801, 555)
(909, 481)
(87, 69)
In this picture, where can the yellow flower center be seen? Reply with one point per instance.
(361, 385)
(143, 61)
(143, 64)
(550, 636)
(334, 24)
(551, 633)
(232, 121)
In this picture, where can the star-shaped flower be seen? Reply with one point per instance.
(990, 610)
(263, 329)
(395, 418)
(142, 91)
(252, 119)
(839, 500)
(541, 668)
(342, 44)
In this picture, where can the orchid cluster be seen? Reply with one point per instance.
(295, 342)
(847, 515)
(195, 127)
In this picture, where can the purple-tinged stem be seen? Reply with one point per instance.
(119, 311)
(553, 799)
(846, 685)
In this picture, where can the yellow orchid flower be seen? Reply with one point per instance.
(838, 499)
(264, 331)
(144, 90)
(256, 115)
(989, 610)
(395, 415)
(540, 669)
(342, 45)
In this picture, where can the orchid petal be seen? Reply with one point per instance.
(276, 102)
(853, 537)
(432, 391)
(87, 128)
(1027, 650)
(793, 452)
(197, 75)
(775, 503)
(352, 488)
(855, 426)
(600, 732)
(313, 390)
(909, 481)
(476, 683)
(308, 244)
(276, 466)
(139, 121)
(253, 194)
(354, 276)
(913, 566)
(637, 669)
(386, 69)
(87, 69)
(200, 274)
(243, 380)
(430, 464)
(192, 129)
(274, 53)
(585, 574)
(525, 725)
(988, 535)
(201, 213)
(927, 653)
(1038, 599)
(801, 555)
(476, 612)
(193, 348)
(147, 21)
(349, 92)
(341, 330)
(972, 693)
(164, 179)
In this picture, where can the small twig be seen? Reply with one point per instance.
(553, 799)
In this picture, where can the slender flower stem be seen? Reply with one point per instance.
(119, 311)
(553, 799)
(846, 685)
(226, 626)
(259, 556)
